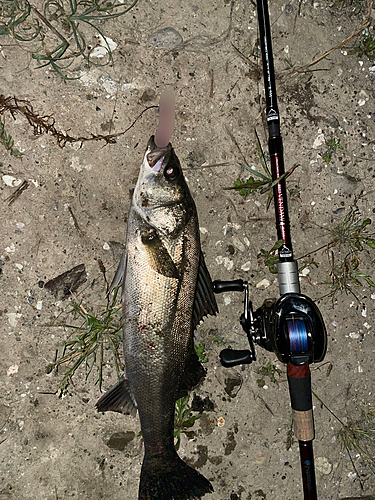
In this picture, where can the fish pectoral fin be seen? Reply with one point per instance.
(157, 255)
(119, 276)
(118, 398)
(204, 300)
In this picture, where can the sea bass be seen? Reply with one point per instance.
(166, 292)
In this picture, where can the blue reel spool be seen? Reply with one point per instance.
(298, 337)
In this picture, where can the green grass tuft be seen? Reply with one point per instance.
(60, 29)
(99, 334)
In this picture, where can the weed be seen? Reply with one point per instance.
(349, 237)
(264, 183)
(357, 437)
(352, 233)
(97, 334)
(308, 263)
(289, 63)
(23, 22)
(217, 339)
(269, 371)
(200, 350)
(7, 141)
(330, 147)
(183, 420)
(346, 274)
(366, 44)
(356, 6)
(269, 257)
(45, 124)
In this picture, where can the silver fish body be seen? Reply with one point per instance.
(166, 292)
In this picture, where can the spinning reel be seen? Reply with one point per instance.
(291, 327)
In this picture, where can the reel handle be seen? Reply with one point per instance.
(229, 286)
(234, 357)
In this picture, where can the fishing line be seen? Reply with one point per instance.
(297, 333)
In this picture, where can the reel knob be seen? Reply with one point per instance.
(233, 357)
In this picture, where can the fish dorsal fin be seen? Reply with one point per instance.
(118, 398)
(204, 301)
(119, 276)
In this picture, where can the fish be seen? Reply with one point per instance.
(166, 292)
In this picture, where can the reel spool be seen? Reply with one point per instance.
(298, 330)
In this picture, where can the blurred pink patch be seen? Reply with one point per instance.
(166, 119)
(12, 370)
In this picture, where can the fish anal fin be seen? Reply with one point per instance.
(118, 398)
(204, 300)
(193, 374)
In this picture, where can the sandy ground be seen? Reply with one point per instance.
(59, 448)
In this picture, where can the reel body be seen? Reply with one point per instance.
(291, 327)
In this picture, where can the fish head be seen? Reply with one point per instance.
(161, 193)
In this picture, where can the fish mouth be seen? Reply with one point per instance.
(155, 155)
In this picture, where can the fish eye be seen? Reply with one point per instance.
(172, 172)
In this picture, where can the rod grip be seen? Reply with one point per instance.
(299, 379)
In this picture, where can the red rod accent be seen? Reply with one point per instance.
(298, 371)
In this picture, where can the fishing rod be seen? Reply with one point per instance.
(291, 326)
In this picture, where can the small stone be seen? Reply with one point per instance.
(304, 272)
(13, 318)
(12, 370)
(11, 181)
(237, 243)
(165, 37)
(104, 44)
(319, 141)
(354, 335)
(230, 379)
(106, 246)
(262, 285)
(221, 422)
(323, 465)
(227, 263)
(246, 266)
(11, 248)
(227, 300)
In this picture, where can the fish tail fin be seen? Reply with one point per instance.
(171, 479)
